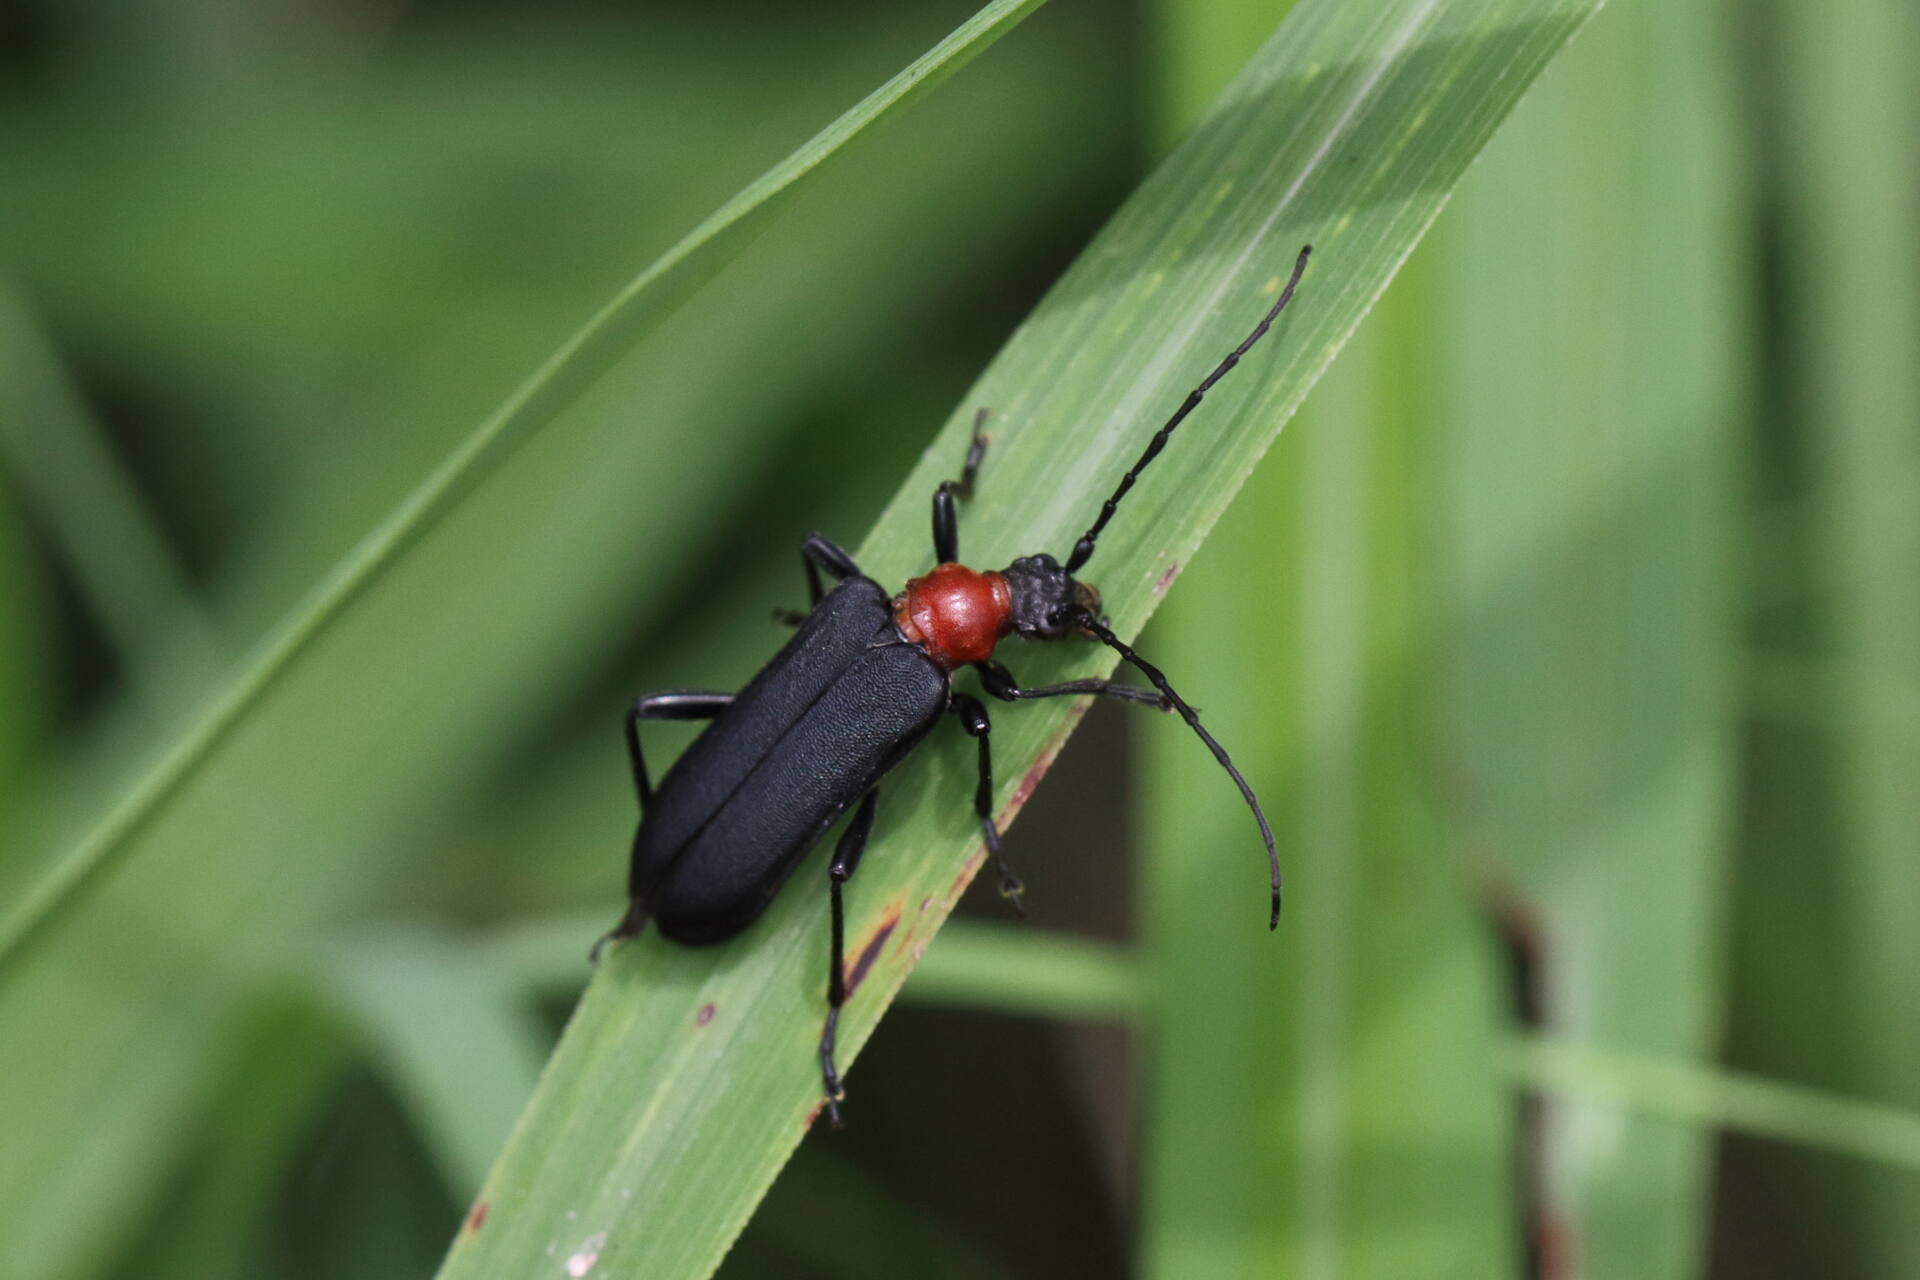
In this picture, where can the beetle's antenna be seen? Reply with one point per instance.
(1084, 547)
(1090, 623)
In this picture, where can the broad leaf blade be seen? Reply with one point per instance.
(686, 1076)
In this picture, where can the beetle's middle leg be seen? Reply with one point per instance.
(973, 718)
(999, 682)
(846, 860)
(946, 527)
(818, 552)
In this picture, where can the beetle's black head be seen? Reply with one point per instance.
(1047, 603)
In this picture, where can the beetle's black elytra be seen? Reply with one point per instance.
(865, 677)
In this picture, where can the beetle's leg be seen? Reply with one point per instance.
(973, 718)
(999, 682)
(674, 705)
(817, 553)
(684, 704)
(946, 530)
(846, 859)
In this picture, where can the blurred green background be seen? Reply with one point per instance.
(1568, 635)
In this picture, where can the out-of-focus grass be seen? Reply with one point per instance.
(1827, 953)
(1587, 478)
(114, 551)
(285, 265)
(1327, 1101)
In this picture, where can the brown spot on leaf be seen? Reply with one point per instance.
(871, 952)
(705, 1015)
(476, 1216)
(1171, 572)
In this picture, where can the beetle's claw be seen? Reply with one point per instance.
(1011, 889)
(630, 924)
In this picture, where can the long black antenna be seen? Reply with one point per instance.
(1084, 548)
(1192, 717)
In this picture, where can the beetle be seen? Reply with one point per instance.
(863, 680)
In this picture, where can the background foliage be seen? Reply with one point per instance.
(1569, 627)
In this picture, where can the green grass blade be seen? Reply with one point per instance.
(873, 1229)
(1006, 968)
(1706, 1096)
(459, 1047)
(268, 1095)
(1013, 969)
(686, 1076)
(1589, 474)
(1327, 1101)
(1831, 958)
(59, 456)
(612, 332)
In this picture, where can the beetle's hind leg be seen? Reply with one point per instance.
(679, 704)
(846, 860)
(973, 718)
(946, 526)
(630, 924)
(682, 704)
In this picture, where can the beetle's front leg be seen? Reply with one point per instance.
(973, 718)
(946, 525)
(846, 860)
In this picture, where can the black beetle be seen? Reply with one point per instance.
(862, 681)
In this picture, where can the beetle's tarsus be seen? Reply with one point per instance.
(630, 924)
(1012, 890)
(830, 1086)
